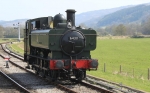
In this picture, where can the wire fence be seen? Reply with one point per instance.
(133, 72)
(143, 73)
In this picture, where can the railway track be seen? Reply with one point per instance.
(7, 85)
(112, 86)
(104, 84)
(28, 79)
(83, 87)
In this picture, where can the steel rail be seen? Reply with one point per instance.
(96, 88)
(23, 89)
(57, 85)
(118, 85)
(107, 86)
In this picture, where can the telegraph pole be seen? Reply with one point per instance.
(17, 26)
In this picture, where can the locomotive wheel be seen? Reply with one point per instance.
(36, 71)
(80, 75)
(42, 74)
(53, 75)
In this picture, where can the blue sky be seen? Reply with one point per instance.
(20, 9)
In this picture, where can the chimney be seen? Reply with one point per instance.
(71, 16)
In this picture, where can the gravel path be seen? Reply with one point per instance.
(32, 82)
(81, 89)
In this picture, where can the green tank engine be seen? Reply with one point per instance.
(55, 47)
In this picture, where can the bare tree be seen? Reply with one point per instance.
(1, 31)
(146, 27)
(120, 30)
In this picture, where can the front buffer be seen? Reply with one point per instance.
(79, 67)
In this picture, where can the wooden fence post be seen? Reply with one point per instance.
(104, 67)
(120, 69)
(133, 72)
(148, 74)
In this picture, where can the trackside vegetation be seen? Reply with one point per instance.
(2, 40)
(126, 61)
(16, 47)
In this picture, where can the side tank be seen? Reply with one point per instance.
(40, 38)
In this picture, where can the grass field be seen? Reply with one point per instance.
(132, 54)
(17, 47)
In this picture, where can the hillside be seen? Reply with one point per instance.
(92, 16)
(128, 15)
(10, 23)
(104, 17)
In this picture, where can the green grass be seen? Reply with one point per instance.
(2, 40)
(130, 54)
(16, 47)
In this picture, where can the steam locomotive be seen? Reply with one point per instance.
(54, 47)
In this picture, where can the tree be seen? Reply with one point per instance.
(1, 31)
(83, 25)
(120, 30)
(10, 32)
(101, 32)
(146, 28)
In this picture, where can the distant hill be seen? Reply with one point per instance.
(10, 23)
(92, 16)
(104, 17)
(134, 14)
(85, 17)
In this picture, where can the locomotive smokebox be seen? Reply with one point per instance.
(71, 16)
